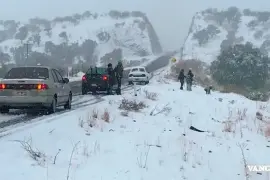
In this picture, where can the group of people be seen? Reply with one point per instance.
(115, 74)
(189, 79)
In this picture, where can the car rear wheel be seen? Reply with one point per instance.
(52, 108)
(4, 110)
(68, 104)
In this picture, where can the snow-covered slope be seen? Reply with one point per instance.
(212, 29)
(107, 142)
(87, 37)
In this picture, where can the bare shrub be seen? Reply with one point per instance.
(150, 95)
(92, 119)
(241, 114)
(70, 159)
(228, 126)
(35, 154)
(267, 131)
(165, 109)
(242, 147)
(131, 105)
(106, 116)
(94, 114)
(86, 151)
(80, 122)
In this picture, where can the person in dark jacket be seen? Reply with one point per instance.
(189, 80)
(111, 78)
(182, 77)
(119, 74)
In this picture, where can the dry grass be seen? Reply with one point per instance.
(131, 105)
(95, 114)
(92, 118)
(228, 126)
(150, 95)
(106, 116)
(267, 130)
(81, 122)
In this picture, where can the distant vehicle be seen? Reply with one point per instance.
(34, 87)
(138, 74)
(96, 79)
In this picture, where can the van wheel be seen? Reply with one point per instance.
(68, 104)
(52, 108)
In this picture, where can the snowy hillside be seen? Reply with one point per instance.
(86, 38)
(144, 137)
(212, 30)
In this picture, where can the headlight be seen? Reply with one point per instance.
(130, 75)
(143, 75)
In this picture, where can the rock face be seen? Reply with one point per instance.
(213, 30)
(89, 38)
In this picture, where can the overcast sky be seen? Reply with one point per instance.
(171, 18)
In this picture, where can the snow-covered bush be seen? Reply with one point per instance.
(241, 65)
(131, 105)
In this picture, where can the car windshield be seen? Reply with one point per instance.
(135, 69)
(28, 73)
(97, 71)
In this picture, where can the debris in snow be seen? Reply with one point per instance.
(195, 129)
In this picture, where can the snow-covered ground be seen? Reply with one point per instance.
(106, 142)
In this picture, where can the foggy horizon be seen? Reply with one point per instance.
(171, 19)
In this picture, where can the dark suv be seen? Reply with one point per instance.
(96, 79)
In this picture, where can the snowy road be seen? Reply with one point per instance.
(19, 118)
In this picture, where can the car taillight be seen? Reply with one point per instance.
(2, 86)
(42, 86)
(84, 78)
(105, 78)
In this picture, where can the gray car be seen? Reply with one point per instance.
(34, 87)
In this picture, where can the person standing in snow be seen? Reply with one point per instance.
(182, 77)
(111, 78)
(119, 74)
(189, 80)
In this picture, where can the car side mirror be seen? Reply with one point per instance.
(65, 80)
